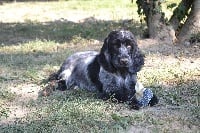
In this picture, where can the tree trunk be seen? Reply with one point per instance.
(192, 24)
(180, 12)
(153, 19)
(157, 27)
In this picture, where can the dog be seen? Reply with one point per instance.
(112, 72)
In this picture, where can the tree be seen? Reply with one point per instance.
(184, 22)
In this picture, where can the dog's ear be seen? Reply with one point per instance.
(105, 58)
(137, 60)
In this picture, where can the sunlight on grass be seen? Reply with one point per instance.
(50, 11)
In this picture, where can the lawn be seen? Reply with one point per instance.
(36, 37)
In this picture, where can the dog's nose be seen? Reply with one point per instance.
(124, 61)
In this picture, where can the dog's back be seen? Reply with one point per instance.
(74, 71)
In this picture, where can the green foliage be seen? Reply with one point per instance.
(171, 6)
(181, 12)
(147, 8)
(140, 7)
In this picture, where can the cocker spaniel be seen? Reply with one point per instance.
(110, 73)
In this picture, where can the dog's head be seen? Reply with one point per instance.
(120, 52)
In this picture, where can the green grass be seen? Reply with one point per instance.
(34, 45)
(72, 112)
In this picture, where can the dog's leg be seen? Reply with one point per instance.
(134, 103)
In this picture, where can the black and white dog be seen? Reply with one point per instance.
(111, 73)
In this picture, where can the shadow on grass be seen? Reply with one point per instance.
(61, 30)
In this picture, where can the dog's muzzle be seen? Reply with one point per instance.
(124, 61)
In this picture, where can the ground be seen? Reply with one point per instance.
(36, 37)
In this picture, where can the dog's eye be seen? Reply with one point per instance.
(128, 46)
(117, 45)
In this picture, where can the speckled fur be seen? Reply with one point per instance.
(112, 72)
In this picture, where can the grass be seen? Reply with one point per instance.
(80, 114)
(34, 44)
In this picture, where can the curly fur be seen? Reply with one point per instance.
(112, 72)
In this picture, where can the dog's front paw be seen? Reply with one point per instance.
(135, 104)
(103, 96)
(154, 100)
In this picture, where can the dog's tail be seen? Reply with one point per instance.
(53, 76)
(53, 83)
(60, 83)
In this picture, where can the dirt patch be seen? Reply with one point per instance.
(23, 95)
(26, 91)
